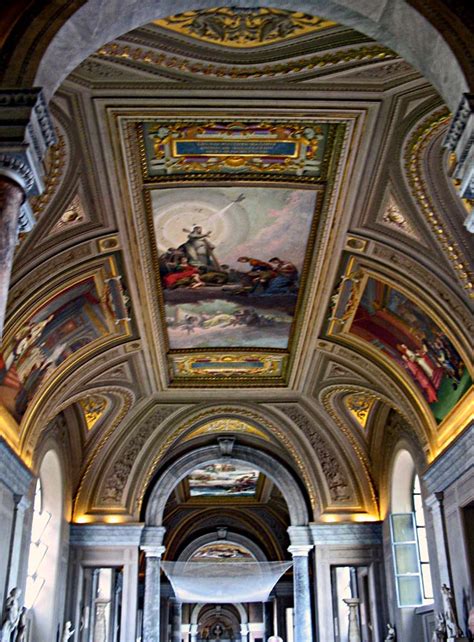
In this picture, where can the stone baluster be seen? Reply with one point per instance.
(25, 134)
(354, 629)
(300, 538)
(151, 544)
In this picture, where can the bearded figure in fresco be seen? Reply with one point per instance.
(198, 248)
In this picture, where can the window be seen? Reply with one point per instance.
(405, 559)
(38, 548)
(41, 595)
(422, 541)
(410, 552)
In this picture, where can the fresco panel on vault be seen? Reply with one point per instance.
(230, 261)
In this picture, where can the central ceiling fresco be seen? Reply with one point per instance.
(233, 208)
(231, 261)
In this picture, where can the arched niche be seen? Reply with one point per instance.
(403, 472)
(230, 538)
(183, 466)
(239, 608)
(397, 25)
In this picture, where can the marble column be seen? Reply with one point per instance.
(151, 544)
(176, 620)
(300, 537)
(354, 629)
(26, 132)
(193, 629)
(151, 604)
(244, 632)
(268, 619)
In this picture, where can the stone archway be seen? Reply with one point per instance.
(396, 24)
(230, 538)
(273, 469)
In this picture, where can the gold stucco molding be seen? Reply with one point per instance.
(367, 53)
(415, 149)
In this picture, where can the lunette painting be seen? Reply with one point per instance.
(230, 261)
(68, 321)
(223, 480)
(397, 325)
(221, 551)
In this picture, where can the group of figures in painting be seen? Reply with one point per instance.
(233, 281)
(220, 480)
(399, 327)
(67, 322)
(194, 264)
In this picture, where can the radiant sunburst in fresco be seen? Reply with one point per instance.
(230, 263)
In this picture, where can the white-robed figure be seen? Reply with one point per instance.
(198, 248)
(12, 615)
(68, 631)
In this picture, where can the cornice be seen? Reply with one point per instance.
(117, 50)
(13, 472)
(453, 463)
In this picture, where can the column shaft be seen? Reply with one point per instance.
(151, 606)
(302, 599)
(11, 198)
(176, 621)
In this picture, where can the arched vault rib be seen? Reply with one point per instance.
(260, 417)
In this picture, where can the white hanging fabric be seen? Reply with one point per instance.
(225, 582)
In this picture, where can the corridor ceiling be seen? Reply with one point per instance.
(247, 229)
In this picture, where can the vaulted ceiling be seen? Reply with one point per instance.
(134, 331)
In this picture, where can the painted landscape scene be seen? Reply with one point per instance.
(230, 262)
(393, 323)
(223, 480)
(221, 551)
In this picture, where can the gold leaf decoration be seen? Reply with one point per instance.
(240, 27)
(93, 407)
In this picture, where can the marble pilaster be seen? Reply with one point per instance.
(300, 538)
(151, 544)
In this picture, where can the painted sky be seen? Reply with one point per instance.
(268, 222)
(243, 311)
